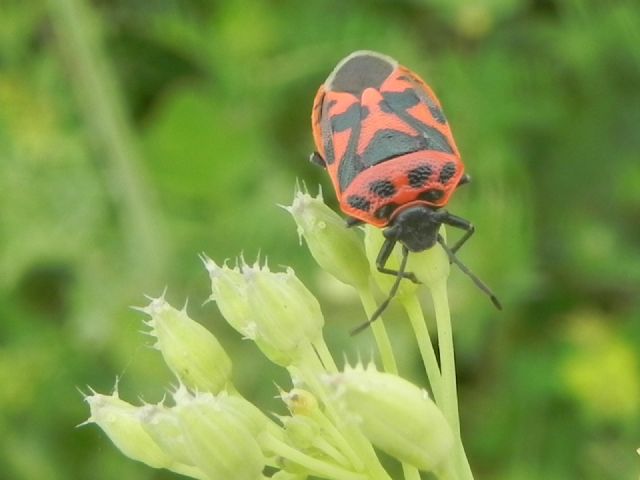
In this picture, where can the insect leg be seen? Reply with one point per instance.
(464, 179)
(458, 222)
(383, 257)
(317, 159)
(392, 293)
(479, 283)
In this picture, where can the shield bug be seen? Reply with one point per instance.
(382, 136)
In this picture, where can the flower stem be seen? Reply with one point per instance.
(380, 333)
(325, 356)
(429, 359)
(309, 370)
(410, 473)
(449, 392)
(338, 439)
(319, 467)
(331, 452)
(388, 361)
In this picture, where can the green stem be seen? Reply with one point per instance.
(354, 436)
(410, 473)
(449, 405)
(388, 360)
(428, 354)
(308, 369)
(447, 471)
(326, 358)
(380, 334)
(338, 439)
(447, 357)
(331, 451)
(318, 467)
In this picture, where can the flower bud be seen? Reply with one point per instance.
(430, 266)
(272, 308)
(336, 248)
(122, 423)
(163, 426)
(219, 439)
(192, 353)
(243, 411)
(395, 415)
(228, 290)
(300, 402)
(287, 315)
(302, 431)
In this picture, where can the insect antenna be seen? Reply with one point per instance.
(479, 283)
(392, 293)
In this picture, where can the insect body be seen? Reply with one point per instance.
(380, 132)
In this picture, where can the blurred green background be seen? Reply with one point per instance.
(135, 134)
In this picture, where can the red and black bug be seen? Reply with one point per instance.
(380, 132)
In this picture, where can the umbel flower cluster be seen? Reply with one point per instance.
(339, 419)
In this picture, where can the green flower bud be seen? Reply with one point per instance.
(228, 290)
(302, 431)
(272, 308)
(336, 248)
(430, 266)
(243, 411)
(122, 423)
(163, 426)
(192, 353)
(300, 402)
(395, 415)
(287, 315)
(220, 438)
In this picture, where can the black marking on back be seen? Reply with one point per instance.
(359, 203)
(431, 195)
(389, 144)
(435, 110)
(382, 188)
(419, 175)
(359, 73)
(350, 118)
(448, 171)
(397, 102)
(349, 169)
(325, 128)
(329, 154)
(385, 211)
(351, 164)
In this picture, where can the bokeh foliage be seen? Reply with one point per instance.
(135, 134)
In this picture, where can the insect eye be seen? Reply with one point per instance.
(431, 195)
(385, 211)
